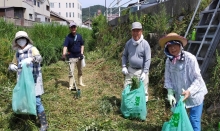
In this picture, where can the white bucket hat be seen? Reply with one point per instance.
(18, 35)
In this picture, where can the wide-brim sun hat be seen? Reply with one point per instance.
(170, 37)
(18, 35)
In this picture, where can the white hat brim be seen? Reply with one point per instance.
(15, 46)
(165, 39)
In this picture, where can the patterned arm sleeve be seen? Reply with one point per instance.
(36, 55)
(14, 61)
(195, 76)
(168, 82)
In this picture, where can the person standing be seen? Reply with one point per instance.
(136, 57)
(29, 54)
(183, 77)
(73, 48)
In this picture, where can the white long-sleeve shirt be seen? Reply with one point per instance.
(138, 56)
(186, 75)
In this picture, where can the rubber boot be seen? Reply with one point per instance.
(43, 121)
(71, 82)
(80, 81)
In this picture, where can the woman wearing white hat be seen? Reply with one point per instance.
(183, 77)
(26, 52)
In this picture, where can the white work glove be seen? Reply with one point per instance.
(142, 77)
(27, 61)
(125, 70)
(13, 67)
(170, 97)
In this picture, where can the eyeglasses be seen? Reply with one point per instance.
(72, 27)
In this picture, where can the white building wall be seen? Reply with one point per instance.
(7, 3)
(42, 10)
(65, 9)
(30, 8)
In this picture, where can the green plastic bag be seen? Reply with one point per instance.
(179, 120)
(23, 97)
(133, 103)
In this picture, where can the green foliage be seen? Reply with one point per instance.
(91, 12)
(105, 107)
(135, 83)
(160, 22)
(214, 84)
(49, 39)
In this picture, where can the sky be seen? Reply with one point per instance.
(87, 3)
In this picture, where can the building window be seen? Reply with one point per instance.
(78, 5)
(66, 14)
(52, 5)
(73, 5)
(69, 5)
(48, 8)
(66, 5)
(78, 15)
(73, 14)
(38, 4)
(30, 16)
(59, 13)
(59, 5)
(35, 3)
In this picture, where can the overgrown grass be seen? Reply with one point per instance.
(99, 105)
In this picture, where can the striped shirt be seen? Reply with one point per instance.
(186, 75)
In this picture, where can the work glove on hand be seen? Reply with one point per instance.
(27, 61)
(125, 70)
(186, 94)
(142, 77)
(81, 57)
(13, 67)
(170, 97)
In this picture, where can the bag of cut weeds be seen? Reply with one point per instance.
(133, 102)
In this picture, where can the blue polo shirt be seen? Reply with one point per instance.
(73, 44)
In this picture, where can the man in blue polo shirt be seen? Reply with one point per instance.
(73, 48)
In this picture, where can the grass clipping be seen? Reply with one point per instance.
(135, 83)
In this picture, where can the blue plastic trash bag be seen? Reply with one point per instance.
(23, 97)
(133, 103)
(179, 120)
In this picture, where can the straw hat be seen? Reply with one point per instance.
(18, 35)
(172, 36)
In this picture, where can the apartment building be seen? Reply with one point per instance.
(69, 9)
(28, 10)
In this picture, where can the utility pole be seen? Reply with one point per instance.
(105, 7)
(89, 16)
(118, 8)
